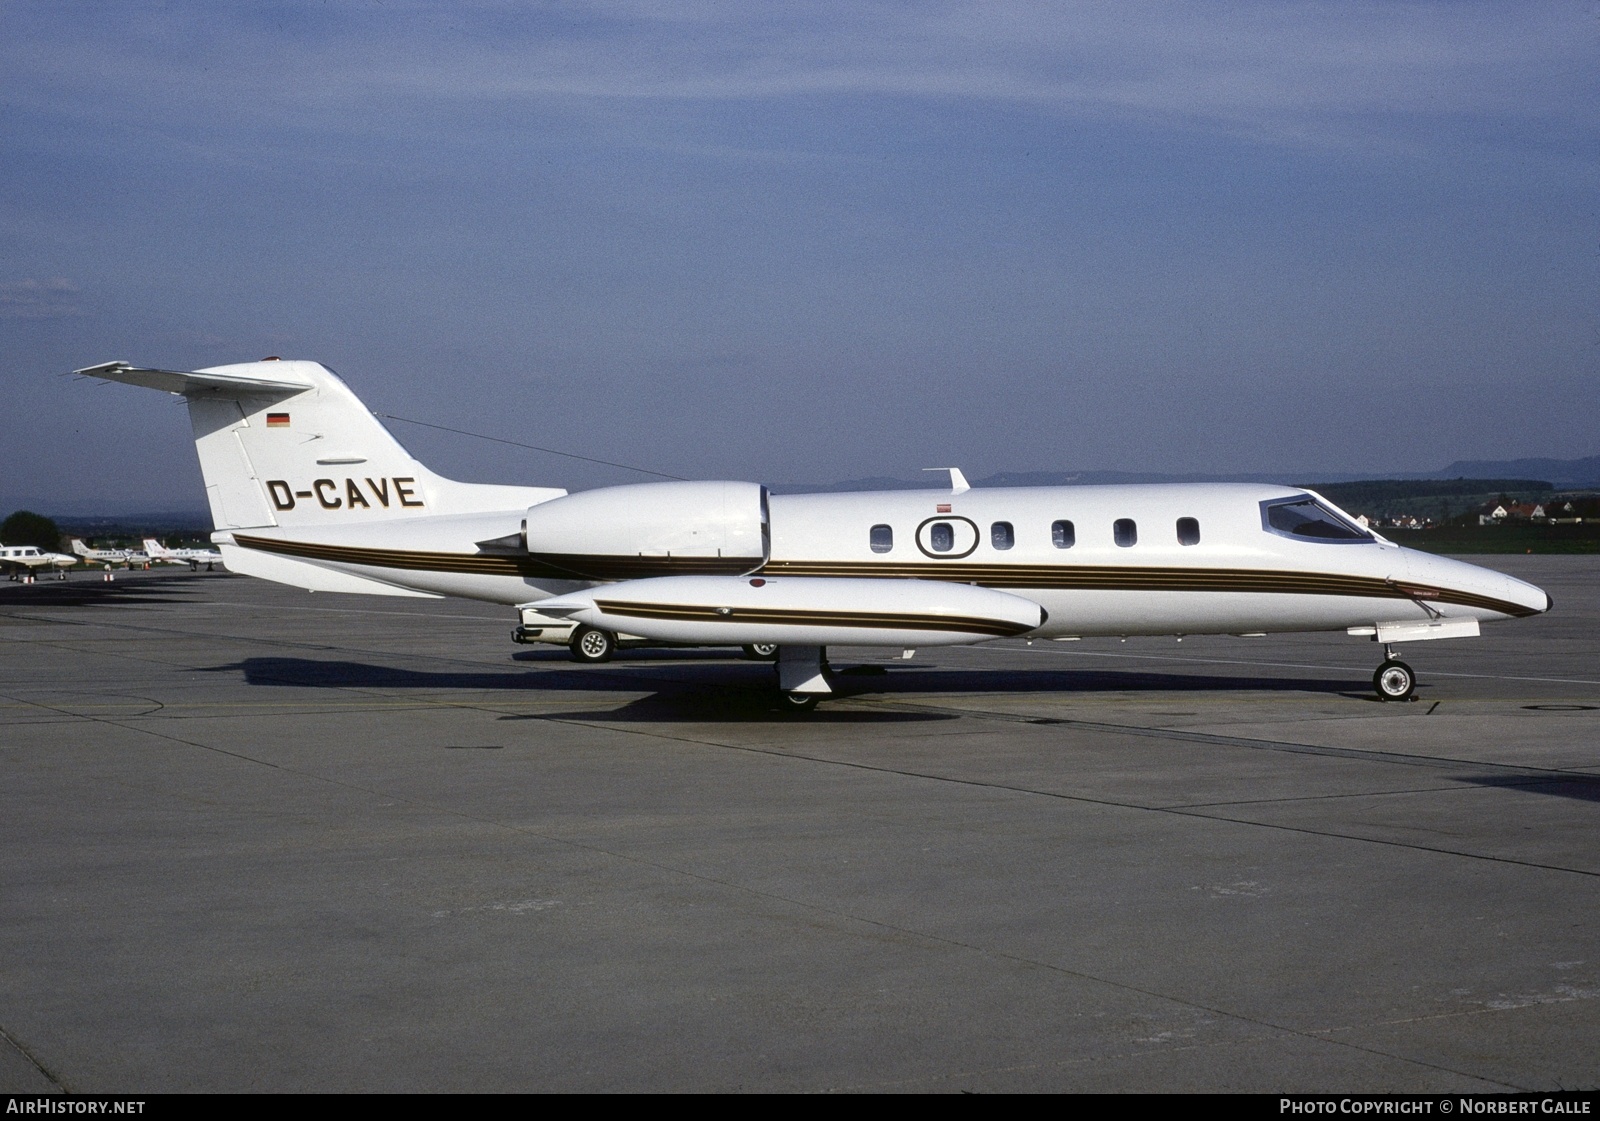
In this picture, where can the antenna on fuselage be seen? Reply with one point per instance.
(958, 481)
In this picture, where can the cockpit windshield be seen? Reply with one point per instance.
(1308, 519)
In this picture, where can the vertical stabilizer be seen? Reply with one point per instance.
(286, 443)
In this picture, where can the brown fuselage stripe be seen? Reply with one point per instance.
(522, 566)
(799, 618)
(1020, 576)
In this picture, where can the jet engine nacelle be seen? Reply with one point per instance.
(650, 529)
(799, 610)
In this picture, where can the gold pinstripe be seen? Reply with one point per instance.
(1039, 577)
(804, 618)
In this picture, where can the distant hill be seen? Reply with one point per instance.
(1511, 476)
(938, 481)
(1375, 492)
(1564, 474)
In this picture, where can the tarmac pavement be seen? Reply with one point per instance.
(262, 840)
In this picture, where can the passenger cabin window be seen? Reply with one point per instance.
(1002, 536)
(1124, 532)
(941, 537)
(1188, 531)
(1308, 519)
(881, 538)
(1062, 535)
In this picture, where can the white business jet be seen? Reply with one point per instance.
(194, 558)
(23, 561)
(307, 488)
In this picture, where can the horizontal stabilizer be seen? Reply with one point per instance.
(191, 382)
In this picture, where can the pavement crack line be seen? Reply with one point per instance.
(34, 1061)
(1178, 811)
(1284, 665)
(1147, 1052)
(1210, 738)
(1531, 773)
(834, 913)
(100, 649)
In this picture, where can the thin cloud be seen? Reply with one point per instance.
(39, 299)
(1299, 73)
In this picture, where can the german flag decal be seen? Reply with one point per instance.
(277, 420)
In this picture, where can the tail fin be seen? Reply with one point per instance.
(79, 547)
(154, 549)
(288, 444)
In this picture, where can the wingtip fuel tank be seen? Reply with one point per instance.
(800, 610)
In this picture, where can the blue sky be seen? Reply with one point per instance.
(808, 242)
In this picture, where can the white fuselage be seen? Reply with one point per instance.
(191, 557)
(307, 488)
(1239, 576)
(30, 557)
(108, 556)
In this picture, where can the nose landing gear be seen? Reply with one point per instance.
(1394, 680)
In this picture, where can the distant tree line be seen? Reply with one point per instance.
(27, 528)
(1377, 492)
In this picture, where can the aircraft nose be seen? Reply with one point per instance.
(1504, 594)
(1535, 600)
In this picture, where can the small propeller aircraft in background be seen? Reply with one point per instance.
(127, 558)
(307, 488)
(22, 562)
(194, 558)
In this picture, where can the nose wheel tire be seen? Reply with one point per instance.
(591, 644)
(1394, 681)
(761, 651)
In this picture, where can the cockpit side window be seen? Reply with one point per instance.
(1309, 520)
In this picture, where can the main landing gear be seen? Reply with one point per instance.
(1394, 680)
(798, 702)
(591, 644)
(804, 677)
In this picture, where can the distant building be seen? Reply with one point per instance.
(1501, 512)
(1572, 509)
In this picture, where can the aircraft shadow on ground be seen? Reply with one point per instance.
(1583, 788)
(733, 703)
(704, 688)
(89, 589)
(315, 673)
(725, 692)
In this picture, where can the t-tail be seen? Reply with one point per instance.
(286, 446)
